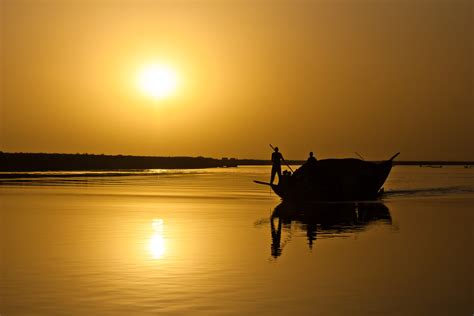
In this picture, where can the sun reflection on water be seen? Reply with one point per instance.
(157, 245)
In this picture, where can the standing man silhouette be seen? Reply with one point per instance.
(276, 165)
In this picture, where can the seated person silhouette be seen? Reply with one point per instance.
(311, 159)
(308, 167)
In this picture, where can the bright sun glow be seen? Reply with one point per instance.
(158, 81)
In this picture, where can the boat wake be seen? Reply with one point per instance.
(427, 192)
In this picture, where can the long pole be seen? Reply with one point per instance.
(282, 159)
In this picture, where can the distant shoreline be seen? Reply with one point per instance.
(423, 163)
(83, 162)
(14, 162)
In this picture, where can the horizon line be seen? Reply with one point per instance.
(223, 158)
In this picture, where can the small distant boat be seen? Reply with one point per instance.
(334, 180)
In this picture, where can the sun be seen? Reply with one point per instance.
(158, 81)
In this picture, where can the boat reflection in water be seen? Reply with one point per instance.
(327, 219)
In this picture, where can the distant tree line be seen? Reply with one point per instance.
(70, 162)
(260, 162)
(79, 162)
(242, 162)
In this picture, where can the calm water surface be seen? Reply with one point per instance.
(212, 242)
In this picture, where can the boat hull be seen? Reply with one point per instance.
(335, 180)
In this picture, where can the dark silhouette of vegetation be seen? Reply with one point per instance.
(257, 162)
(78, 162)
(69, 162)
(260, 162)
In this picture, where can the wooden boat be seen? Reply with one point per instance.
(334, 180)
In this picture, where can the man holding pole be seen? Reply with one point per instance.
(276, 164)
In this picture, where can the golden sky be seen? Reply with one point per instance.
(334, 77)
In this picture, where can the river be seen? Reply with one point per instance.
(212, 242)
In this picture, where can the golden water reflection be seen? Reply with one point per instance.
(157, 244)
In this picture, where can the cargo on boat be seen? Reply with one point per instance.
(334, 180)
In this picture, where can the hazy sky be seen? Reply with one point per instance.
(334, 77)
